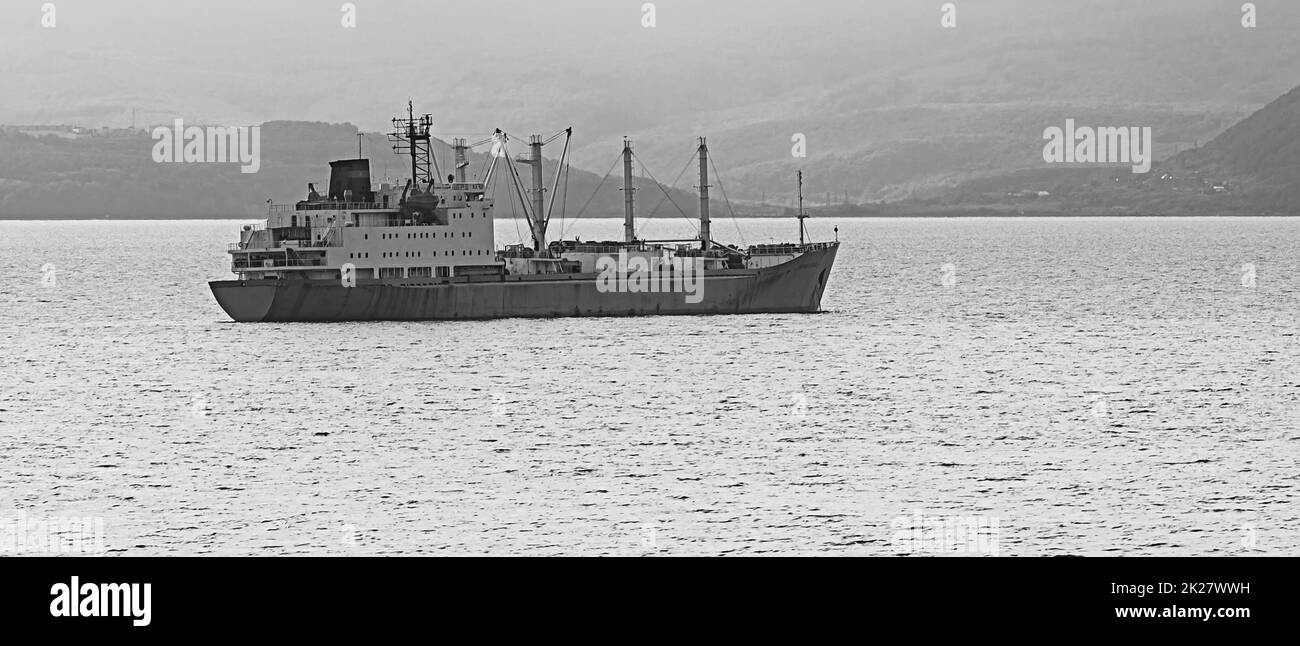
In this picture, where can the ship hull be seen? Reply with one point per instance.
(793, 286)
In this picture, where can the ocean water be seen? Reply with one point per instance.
(1072, 386)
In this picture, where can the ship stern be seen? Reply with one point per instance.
(244, 301)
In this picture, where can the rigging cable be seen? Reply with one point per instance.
(665, 192)
(602, 183)
(564, 159)
(505, 153)
(519, 235)
(564, 201)
(519, 189)
(718, 178)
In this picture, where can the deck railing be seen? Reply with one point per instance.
(278, 262)
(278, 209)
(324, 243)
(785, 249)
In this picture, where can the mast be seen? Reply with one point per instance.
(459, 146)
(704, 195)
(411, 136)
(539, 194)
(802, 216)
(629, 224)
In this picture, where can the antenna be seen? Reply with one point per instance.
(411, 136)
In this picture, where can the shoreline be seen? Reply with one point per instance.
(928, 216)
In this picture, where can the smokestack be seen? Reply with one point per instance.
(350, 176)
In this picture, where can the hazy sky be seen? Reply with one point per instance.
(254, 60)
(728, 68)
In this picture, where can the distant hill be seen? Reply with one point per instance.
(1252, 167)
(1256, 160)
(113, 174)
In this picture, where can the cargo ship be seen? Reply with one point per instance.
(427, 251)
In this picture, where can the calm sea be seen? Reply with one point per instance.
(1071, 386)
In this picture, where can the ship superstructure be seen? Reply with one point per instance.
(426, 250)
